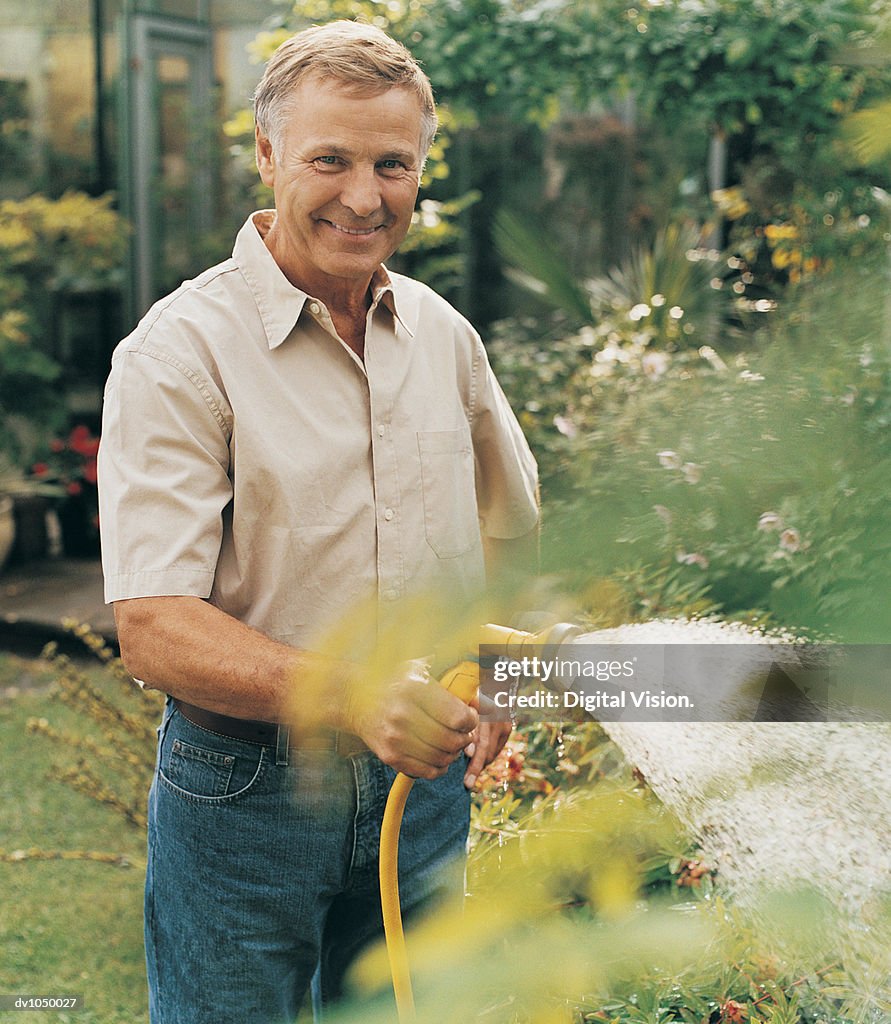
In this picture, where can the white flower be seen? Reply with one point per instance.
(654, 364)
(770, 521)
(692, 472)
(639, 311)
(712, 358)
(790, 540)
(692, 558)
(566, 427)
(669, 460)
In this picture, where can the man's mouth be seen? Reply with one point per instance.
(353, 231)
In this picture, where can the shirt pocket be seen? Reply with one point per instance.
(451, 522)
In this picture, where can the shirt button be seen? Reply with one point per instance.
(380, 430)
(388, 514)
(315, 308)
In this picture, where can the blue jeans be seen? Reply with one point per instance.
(262, 875)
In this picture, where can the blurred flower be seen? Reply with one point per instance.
(692, 472)
(733, 1012)
(770, 521)
(790, 540)
(654, 364)
(566, 427)
(506, 769)
(71, 464)
(663, 513)
(712, 358)
(692, 872)
(776, 232)
(731, 202)
(669, 459)
(692, 558)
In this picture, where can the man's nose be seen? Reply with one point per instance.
(361, 192)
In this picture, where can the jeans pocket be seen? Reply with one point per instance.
(451, 523)
(204, 771)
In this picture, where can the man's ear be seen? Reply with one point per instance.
(265, 158)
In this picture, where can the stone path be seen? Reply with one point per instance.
(37, 596)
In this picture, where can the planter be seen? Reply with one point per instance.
(78, 524)
(31, 538)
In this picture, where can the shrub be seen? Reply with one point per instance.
(761, 478)
(47, 247)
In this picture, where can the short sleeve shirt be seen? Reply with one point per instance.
(249, 457)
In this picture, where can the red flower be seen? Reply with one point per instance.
(40, 469)
(74, 488)
(82, 441)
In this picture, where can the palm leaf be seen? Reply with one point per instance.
(534, 264)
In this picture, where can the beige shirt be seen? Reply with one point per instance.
(250, 457)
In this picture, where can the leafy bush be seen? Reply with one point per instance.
(762, 478)
(47, 247)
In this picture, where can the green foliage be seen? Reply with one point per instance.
(47, 247)
(661, 298)
(535, 264)
(580, 910)
(759, 482)
(432, 250)
(772, 64)
(15, 138)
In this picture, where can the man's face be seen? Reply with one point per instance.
(345, 181)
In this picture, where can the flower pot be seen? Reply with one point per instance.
(78, 525)
(31, 539)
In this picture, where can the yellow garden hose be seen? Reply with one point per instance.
(463, 681)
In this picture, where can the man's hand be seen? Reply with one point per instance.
(484, 747)
(413, 725)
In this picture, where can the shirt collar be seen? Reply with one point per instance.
(278, 301)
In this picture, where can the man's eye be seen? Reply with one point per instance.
(327, 161)
(391, 165)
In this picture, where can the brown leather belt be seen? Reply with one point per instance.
(343, 743)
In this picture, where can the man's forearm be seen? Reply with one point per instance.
(199, 654)
(192, 650)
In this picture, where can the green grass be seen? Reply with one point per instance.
(72, 926)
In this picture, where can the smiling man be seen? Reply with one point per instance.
(292, 437)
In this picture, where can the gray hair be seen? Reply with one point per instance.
(348, 52)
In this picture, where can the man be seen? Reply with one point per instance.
(292, 436)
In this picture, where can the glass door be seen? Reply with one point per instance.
(168, 136)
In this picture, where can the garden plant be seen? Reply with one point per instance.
(710, 416)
